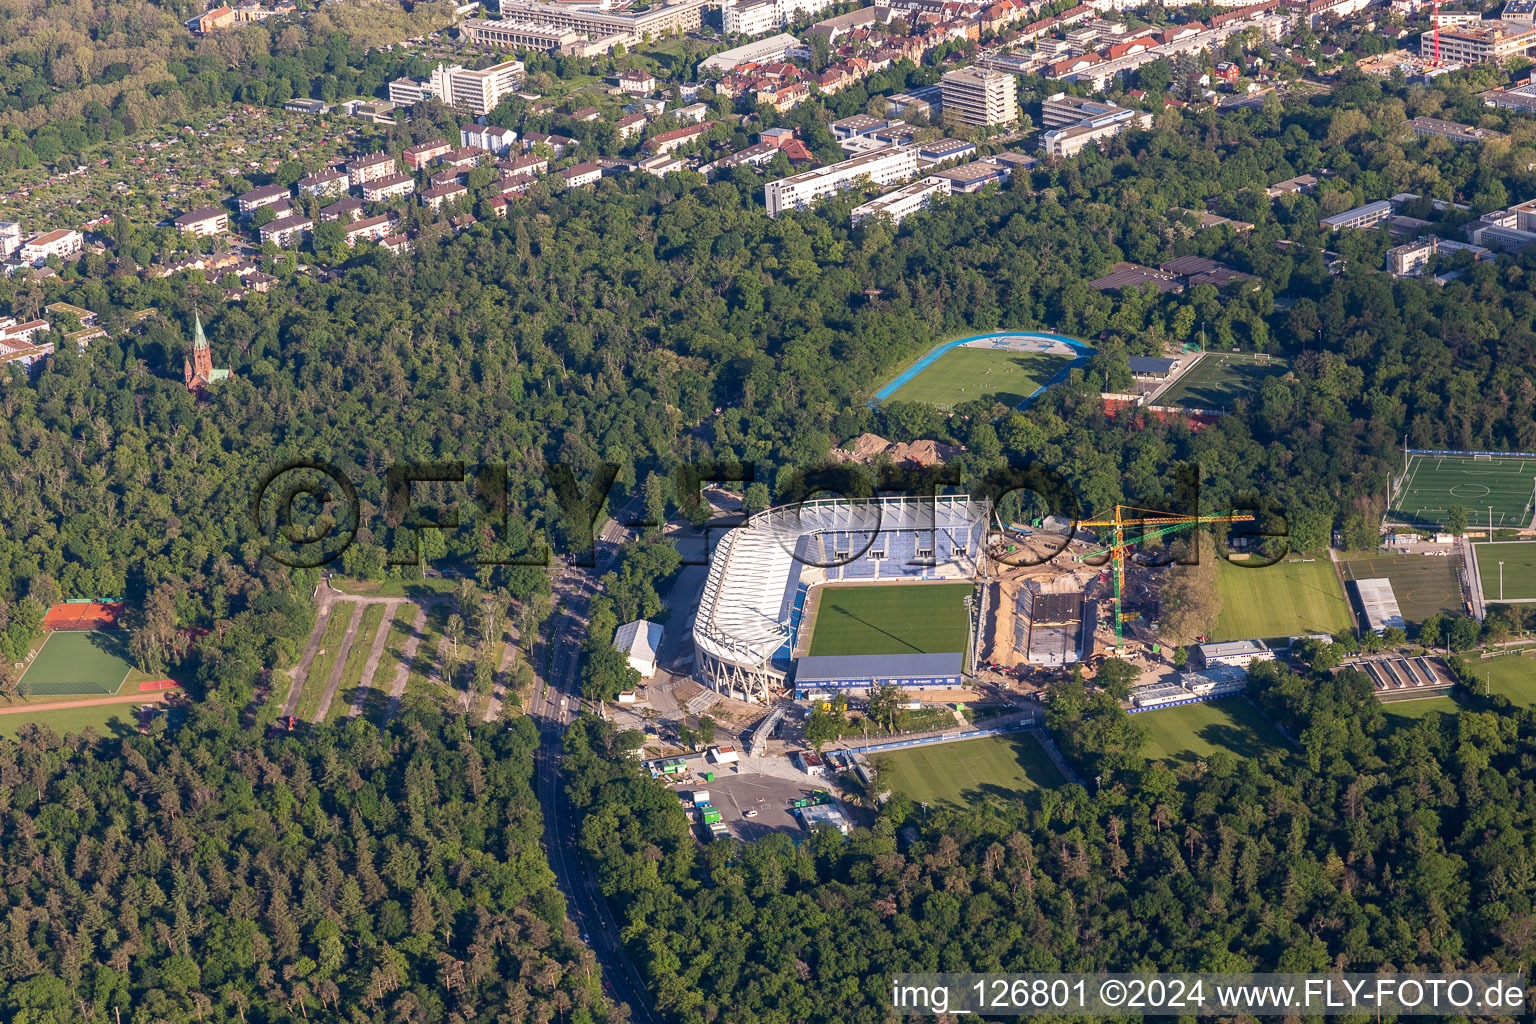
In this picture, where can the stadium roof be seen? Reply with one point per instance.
(839, 667)
(1379, 604)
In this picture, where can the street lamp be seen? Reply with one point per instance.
(1501, 581)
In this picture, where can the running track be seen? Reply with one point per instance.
(932, 357)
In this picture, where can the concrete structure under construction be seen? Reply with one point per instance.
(1049, 626)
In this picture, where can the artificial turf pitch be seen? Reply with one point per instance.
(1422, 584)
(1518, 575)
(1431, 484)
(1219, 379)
(1284, 599)
(960, 774)
(897, 618)
(75, 662)
(968, 374)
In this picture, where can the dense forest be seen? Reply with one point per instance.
(214, 875)
(1368, 848)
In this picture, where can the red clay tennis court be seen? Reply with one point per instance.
(84, 615)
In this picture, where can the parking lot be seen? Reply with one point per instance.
(769, 795)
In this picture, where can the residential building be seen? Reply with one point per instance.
(62, 243)
(398, 244)
(434, 198)
(419, 156)
(1427, 127)
(755, 17)
(693, 113)
(1361, 217)
(798, 191)
(343, 210)
(465, 157)
(630, 125)
(406, 92)
(899, 205)
(523, 166)
(557, 144)
(677, 138)
(600, 20)
(369, 229)
(476, 91)
(391, 186)
(286, 232)
(582, 175)
(488, 137)
(1486, 42)
(210, 220)
(763, 51)
(1302, 184)
(85, 316)
(367, 168)
(10, 238)
(256, 198)
(324, 183)
(211, 20)
(635, 82)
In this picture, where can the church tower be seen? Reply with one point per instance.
(198, 370)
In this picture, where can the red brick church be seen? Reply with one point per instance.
(198, 370)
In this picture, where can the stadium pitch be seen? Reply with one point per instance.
(969, 772)
(981, 374)
(1431, 483)
(1508, 570)
(897, 618)
(78, 662)
(1221, 378)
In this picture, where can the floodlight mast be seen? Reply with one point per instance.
(1167, 523)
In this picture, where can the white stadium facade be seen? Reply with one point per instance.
(761, 572)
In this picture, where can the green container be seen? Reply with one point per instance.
(710, 817)
(709, 776)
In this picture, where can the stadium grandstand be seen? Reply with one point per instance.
(762, 572)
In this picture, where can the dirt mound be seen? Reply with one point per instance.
(868, 447)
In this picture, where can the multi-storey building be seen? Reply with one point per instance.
(419, 156)
(599, 19)
(391, 186)
(211, 220)
(286, 232)
(324, 183)
(256, 198)
(476, 91)
(1361, 217)
(798, 191)
(898, 205)
(1487, 43)
(366, 168)
(62, 243)
(520, 35)
(980, 96)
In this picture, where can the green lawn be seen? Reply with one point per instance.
(421, 690)
(1220, 378)
(972, 374)
(960, 774)
(1402, 713)
(900, 618)
(1512, 676)
(1516, 580)
(325, 659)
(106, 719)
(93, 662)
(1285, 599)
(357, 659)
(1194, 731)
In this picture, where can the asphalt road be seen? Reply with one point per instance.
(556, 703)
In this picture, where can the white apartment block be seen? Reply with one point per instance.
(488, 137)
(10, 238)
(391, 186)
(1360, 218)
(798, 191)
(62, 243)
(897, 206)
(980, 96)
(367, 168)
(755, 17)
(476, 91)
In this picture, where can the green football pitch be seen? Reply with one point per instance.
(960, 774)
(898, 618)
(1431, 484)
(968, 374)
(1194, 731)
(1511, 676)
(1284, 599)
(1220, 378)
(1508, 569)
(74, 662)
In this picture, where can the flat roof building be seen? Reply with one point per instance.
(640, 643)
(1426, 127)
(980, 97)
(1379, 605)
(799, 191)
(1233, 653)
(599, 20)
(899, 205)
(1487, 42)
(763, 51)
(1360, 218)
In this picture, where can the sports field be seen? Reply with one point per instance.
(1220, 378)
(897, 618)
(1408, 713)
(1511, 676)
(1516, 580)
(981, 374)
(1431, 484)
(71, 662)
(106, 719)
(969, 772)
(1422, 584)
(1194, 731)
(1284, 599)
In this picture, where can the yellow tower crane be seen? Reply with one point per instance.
(1125, 516)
